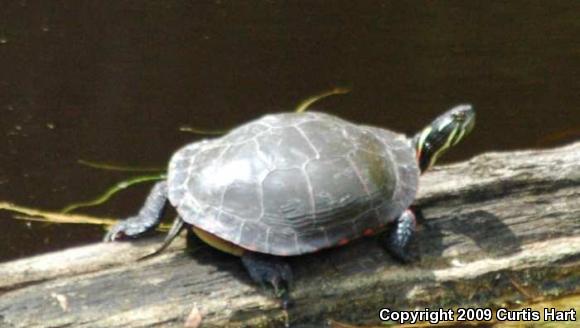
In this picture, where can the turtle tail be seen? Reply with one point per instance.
(176, 228)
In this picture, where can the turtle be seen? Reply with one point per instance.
(289, 184)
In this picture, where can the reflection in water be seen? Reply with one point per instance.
(113, 82)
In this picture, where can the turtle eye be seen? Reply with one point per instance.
(458, 116)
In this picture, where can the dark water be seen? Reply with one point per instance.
(114, 81)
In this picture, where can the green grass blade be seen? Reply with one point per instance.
(303, 106)
(34, 214)
(201, 131)
(38, 215)
(122, 168)
(113, 190)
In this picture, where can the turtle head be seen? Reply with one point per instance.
(443, 133)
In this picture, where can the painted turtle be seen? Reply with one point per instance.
(294, 183)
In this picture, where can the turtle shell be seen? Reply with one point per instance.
(294, 183)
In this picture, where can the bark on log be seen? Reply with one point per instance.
(497, 228)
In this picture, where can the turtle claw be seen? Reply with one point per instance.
(402, 256)
(130, 228)
(281, 291)
(270, 272)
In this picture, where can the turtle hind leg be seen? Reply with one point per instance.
(269, 270)
(398, 239)
(146, 220)
(176, 228)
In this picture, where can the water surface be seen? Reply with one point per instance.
(113, 82)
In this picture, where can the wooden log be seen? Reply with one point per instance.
(498, 229)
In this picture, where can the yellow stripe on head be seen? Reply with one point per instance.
(421, 141)
(443, 148)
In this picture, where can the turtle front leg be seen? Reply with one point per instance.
(146, 220)
(270, 270)
(397, 240)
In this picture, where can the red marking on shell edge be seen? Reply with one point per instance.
(368, 232)
(343, 241)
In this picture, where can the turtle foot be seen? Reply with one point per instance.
(148, 218)
(397, 241)
(403, 256)
(269, 270)
(130, 228)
